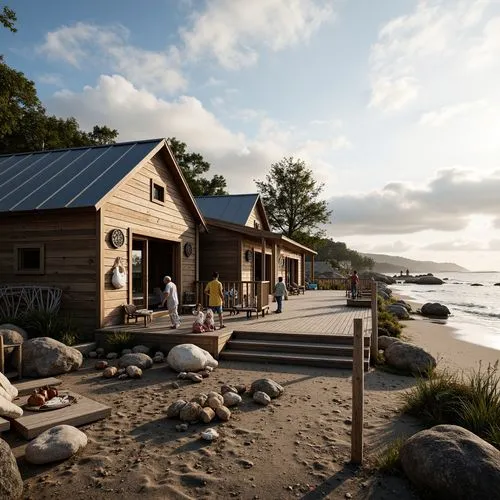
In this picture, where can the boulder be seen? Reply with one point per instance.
(45, 357)
(141, 360)
(9, 409)
(384, 341)
(404, 304)
(8, 388)
(10, 337)
(189, 358)
(435, 310)
(399, 311)
(384, 294)
(496, 284)
(15, 328)
(452, 462)
(57, 443)
(11, 483)
(476, 284)
(367, 275)
(428, 280)
(141, 349)
(409, 358)
(270, 387)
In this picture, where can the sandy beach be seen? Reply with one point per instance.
(298, 447)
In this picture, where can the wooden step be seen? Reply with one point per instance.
(288, 358)
(4, 425)
(319, 349)
(311, 338)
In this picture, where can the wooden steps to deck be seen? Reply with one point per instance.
(331, 351)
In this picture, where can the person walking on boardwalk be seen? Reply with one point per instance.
(280, 291)
(172, 300)
(354, 284)
(215, 297)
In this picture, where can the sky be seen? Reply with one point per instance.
(393, 104)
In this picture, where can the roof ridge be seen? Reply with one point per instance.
(226, 195)
(45, 151)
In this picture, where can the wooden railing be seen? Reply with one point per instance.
(342, 284)
(254, 294)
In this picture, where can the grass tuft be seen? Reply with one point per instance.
(387, 461)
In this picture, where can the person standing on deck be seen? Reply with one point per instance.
(354, 284)
(280, 291)
(172, 301)
(215, 297)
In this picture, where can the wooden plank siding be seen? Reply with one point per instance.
(254, 217)
(130, 209)
(69, 239)
(219, 251)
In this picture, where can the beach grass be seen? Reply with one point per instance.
(387, 461)
(471, 401)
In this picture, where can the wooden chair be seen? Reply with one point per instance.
(18, 353)
(132, 312)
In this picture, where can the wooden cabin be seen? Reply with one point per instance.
(240, 245)
(67, 215)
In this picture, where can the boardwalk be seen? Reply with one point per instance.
(318, 312)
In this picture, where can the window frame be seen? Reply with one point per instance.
(160, 185)
(17, 259)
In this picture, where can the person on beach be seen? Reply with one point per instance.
(171, 299)
(280, 291)
(354, 284)
(215, 297)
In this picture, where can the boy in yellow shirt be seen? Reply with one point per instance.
(215, 296)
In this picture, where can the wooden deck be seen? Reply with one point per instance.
(316, 312)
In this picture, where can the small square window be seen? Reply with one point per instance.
(256, 225)
(157, 192)
(29, 259)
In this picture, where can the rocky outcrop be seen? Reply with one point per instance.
(452, 462)
(428, 280)
(190, 358)
(368, 275)
(11, 483)
(434, 310)
(46, 357)
(57, 443)
(409, 358)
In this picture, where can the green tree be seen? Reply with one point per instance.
(193, 166)
(290, 194)
(337, 254)
(8, 18)
(102, 135)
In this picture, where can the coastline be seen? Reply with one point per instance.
(441, 340)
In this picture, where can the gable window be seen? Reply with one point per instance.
(256, 225)
(157, 192)
(29, 259)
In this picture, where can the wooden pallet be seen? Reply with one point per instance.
(33, 423)
(4, 425)
(28, 386)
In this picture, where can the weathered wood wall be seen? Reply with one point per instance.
(255, 217)
(219, 250)
(69, 239)
(130, 209)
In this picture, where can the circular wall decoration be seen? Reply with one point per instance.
(188, 249)
(248, 255)
(117, 238)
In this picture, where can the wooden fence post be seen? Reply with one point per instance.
(357, 393)
(374, 336)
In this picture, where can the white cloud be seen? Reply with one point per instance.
(51, 79)
(446, 113)
(445, 203)
(409, 45)
(232, 31)
(108, 46)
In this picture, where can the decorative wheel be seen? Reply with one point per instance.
(188, 249)
(248, 255)
(117, 238)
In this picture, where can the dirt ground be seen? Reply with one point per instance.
(298, 447)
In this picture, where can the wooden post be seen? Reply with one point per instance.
(312, 268)
(374, 336)
(19, 360)
(357, 394)
(2, 359)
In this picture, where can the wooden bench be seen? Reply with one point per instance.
(249, 310)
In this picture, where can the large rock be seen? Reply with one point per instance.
(139, 359)
(45, 357)
(15, 328)
(452, 462)
(190, 358)
(409, 358)
(11, 483)
(270, 387)
(58, 443)
(366, 275)
(384, 341)
(428, 280)
(435, 310)
(9, 409)
(11, 335)
(399, 311)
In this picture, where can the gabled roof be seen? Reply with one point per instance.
(259, 234)
(234, 208)
(76, 177)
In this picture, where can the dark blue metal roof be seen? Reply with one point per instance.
(67, 178)
(235, 208)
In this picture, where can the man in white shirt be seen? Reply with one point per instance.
(172, 301)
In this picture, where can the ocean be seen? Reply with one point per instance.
(475, 310)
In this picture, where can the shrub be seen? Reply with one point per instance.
(51, 324)
(120, 340)
(388, 322)
(473, 402)
(388, 460)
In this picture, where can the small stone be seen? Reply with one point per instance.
(134, 371)
(261, 398)
(142, 349)
(241, 388)
(204, 373)
(100, 352)
(126, 351)
(215, 400)
(348, 495)
(231, 398)
(194, 377)
(110, 372)
(112, 355)
(201, 399)
(92, 354)
(190, 412)
(174, 410)
(123, 376)
(223, 413)
(207, 415)
(175, 385)
(209, 368)
(247, 464)
(100, 365)
(121, 371)
(227, 388)
(181, 427)
(210, 435)
(158, 359)
(182, 375)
